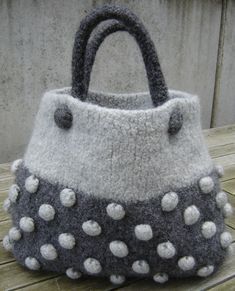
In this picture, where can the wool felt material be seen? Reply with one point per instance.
(157, 85)
(118, 185)
(107, 145)
(62, 243)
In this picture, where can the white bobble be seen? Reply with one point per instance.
(46, 212)
(115, 211)
(118, 248)
(32, 263)
(7, 205)
(227, 210)
(92, 266)
(206, 184)
(219, 170)
(67, 197)
(191, 215)
(7, 244)
(169, 201)
(15, 165)
(31, 184)
(221, 199)
(27, 224)
(166, 250)
(143, 232)
(186, 263)
(14, 234)
(160, 278)
(205, 271)
(14, 193)
(91, 228)
(48, 252)
(208, 229)
(140, 267)
(117, 279)
(230, 251)
(225, 239)
(67, 240)
(72, 274)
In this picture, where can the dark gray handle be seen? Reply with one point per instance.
(157, 86)
(101, 33)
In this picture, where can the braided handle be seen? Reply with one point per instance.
(157, 86)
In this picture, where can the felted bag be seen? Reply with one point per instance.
(117, 185)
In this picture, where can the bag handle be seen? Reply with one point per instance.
(157, 85)
(93, 45)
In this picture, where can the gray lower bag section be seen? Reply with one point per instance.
(93, 254)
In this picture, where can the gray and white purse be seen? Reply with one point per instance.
(118, 185)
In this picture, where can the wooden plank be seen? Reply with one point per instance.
(222, 150)
(5, 257)
(229, 186)
(220, 140)
(63, 283)
(231, 220)
(6, 182)
(225, 272)
(228, 285)
(14, 276)
(232, 231)
(5, 168)
(228, 162)
(4, 228)
(3, 214)
(218, 131)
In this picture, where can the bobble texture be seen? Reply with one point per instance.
(186, 263)
(91, 228)
(225, 239)
(92, 266)
(14, 193)
(160, 278)
(66, 240)
(205, 271)
(141, 267)
(143, 232)
(63, 117)
(221, 199)
(206, 184)
(27, 224)
(31, 184)
(7, 205)
(67, 197)
(15, 165)
(7, 244)
(118, 248)
(166, 250)
(227, 210)
(14, 234)
(117, 279)
(220, 170)
(169, 201)
(32, 263)
(46, 212)
(191, 215)
(115, 211)
(48, 252)
(72, 274)
(208, 229)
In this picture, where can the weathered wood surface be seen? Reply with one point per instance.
(221, 142)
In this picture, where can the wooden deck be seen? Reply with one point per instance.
(221, 142)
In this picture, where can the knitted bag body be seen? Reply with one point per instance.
(118, 185)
